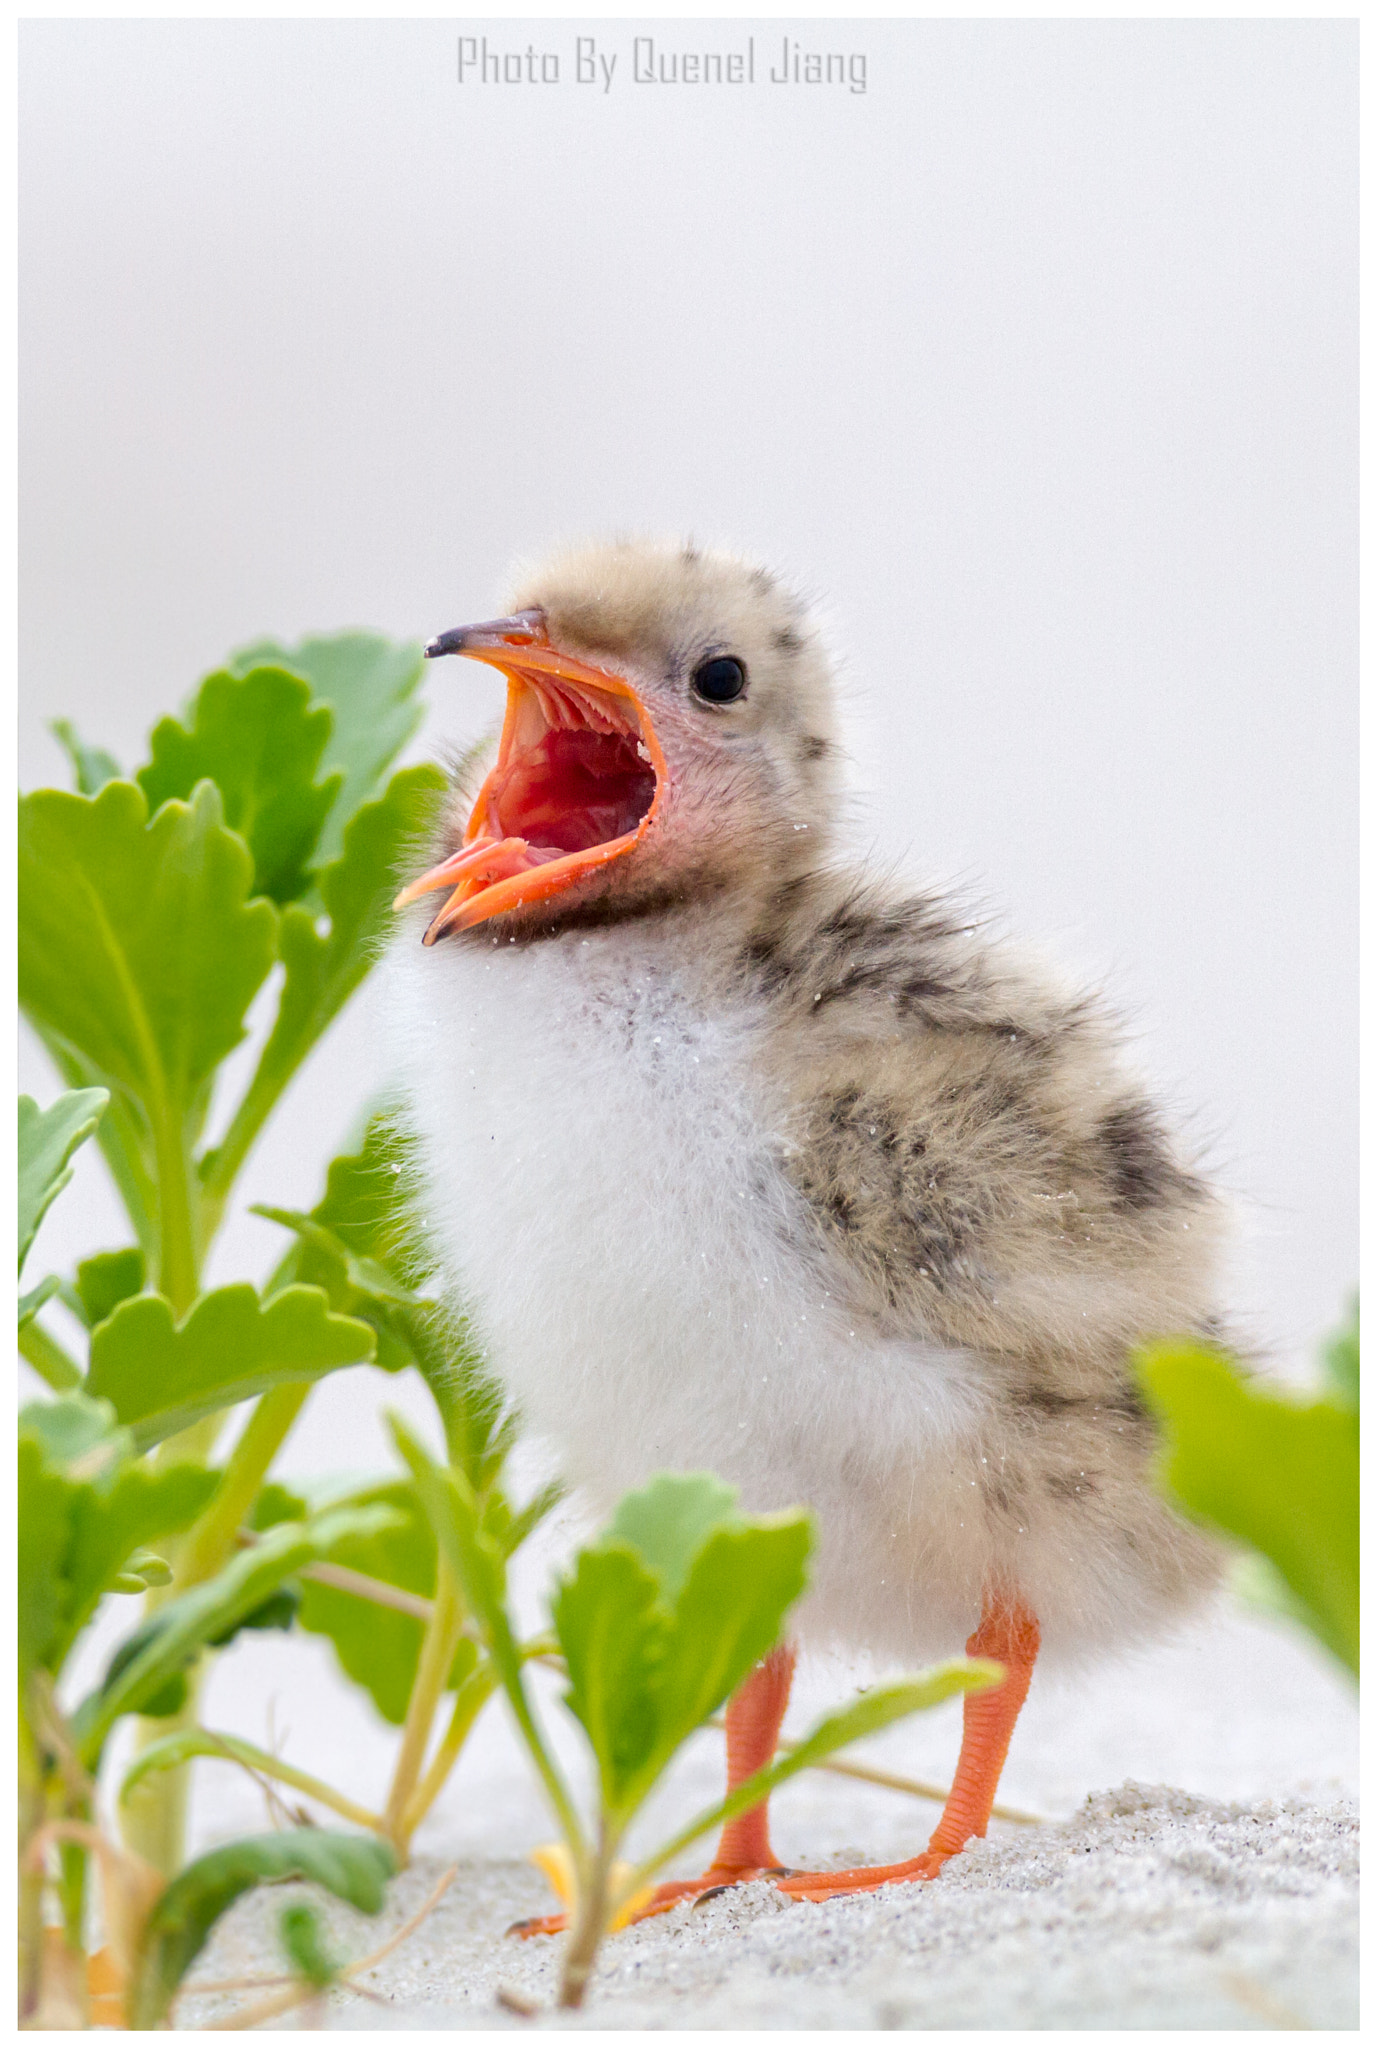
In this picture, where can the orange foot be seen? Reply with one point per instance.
(819, 1885)
(720, 1878)
(665, 1897)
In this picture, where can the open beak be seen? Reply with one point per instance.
(577, 784)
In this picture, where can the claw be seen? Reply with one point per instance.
(552, 1923)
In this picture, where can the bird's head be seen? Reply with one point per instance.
(669, 729)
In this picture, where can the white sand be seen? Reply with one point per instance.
(1229, 1904)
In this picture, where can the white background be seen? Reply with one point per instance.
(1035, 362)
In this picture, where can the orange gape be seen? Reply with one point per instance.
(1009, 1634)
(578, 747)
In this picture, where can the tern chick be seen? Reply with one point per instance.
(744, 1161)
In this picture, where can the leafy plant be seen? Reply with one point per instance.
(387, 1599)
(88, 1508)
(238, 883)
(657, 1623)
(352, 1867)
(1280, 1475)
(263, 833)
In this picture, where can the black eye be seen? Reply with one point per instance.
(720, 680)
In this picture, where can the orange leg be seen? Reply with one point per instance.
(1008, 1633)
(754, 1714)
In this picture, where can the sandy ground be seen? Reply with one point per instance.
(1228, 1902)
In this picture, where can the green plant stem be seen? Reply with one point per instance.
(556, 1790)
(221, 1167)
(214, 1539)
(869, 1774)
(260, 1763)
(119, 1142)
(49, 1358)
(593, 1910)
(278, 1063)
(345, 1580)
(153, 1823)
(74, 1864)
(32, 1812)
(469, 1702)
(190, 1446)
(178, 1276)
(442, 1638)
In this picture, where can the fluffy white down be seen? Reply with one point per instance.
(603, 1192)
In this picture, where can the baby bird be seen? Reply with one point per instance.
(744, 1162)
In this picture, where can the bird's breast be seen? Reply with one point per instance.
(603, 1159)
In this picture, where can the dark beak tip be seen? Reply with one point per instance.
(518, 631)
(446, 643)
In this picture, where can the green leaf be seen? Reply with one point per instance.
(669, 1520)
(378, 1647)
(184, 1625)
(259, 739)
(108, 1526)
(366, 1201)
(276, 1504)
(354, 1867)
(169, 1695)
(324, 969)
(612, 1626)
(32, 1301)
(665, 1615)
(92, 766)
(47, 1139)
(44, 1527)
(162, 1375)
(278, 1611)
(123, 1138)
(184, 1745)
(305, 1947)
(360, 1244)
(1281, 1475)
(456, 1521)
(138, 949)
(882, 1705)
(357, 891)
(353, 1287)
(77, 1532)
(1255, 1582)
(144, 1569)
(510, 1527)
(370, 684)
(729, 1615)
(1340, 1358)
(107, 1279)
(75, 1430)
